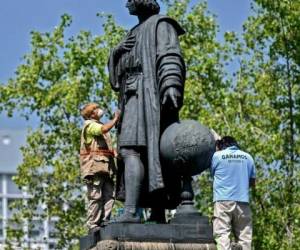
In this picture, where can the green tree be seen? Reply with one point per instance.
(258, 104)
(272, 44)
(56, 78)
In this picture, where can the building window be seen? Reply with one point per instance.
(38, 232)
(1, 209)
(36, 229)
(52, 246)
(12, 188)
(10, 211)
(1, 183)
(12, 225)
(53, 233)
(1, 228)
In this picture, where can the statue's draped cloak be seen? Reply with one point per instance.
(158, 64)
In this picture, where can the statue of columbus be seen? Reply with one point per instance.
(148, 71)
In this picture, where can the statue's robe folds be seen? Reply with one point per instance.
(141, 77)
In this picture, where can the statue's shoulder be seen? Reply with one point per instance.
(156, 19)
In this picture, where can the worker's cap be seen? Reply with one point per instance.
(88, 109)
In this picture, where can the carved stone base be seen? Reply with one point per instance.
(116, 245)
(158, 233)
(125, 236)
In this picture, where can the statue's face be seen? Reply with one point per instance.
(130, 5)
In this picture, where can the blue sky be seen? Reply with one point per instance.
(19, 17)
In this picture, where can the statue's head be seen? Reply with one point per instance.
(143, 7)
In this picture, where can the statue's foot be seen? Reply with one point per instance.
(157, 216)
(104, 223)
(127, 218)
(94, 230)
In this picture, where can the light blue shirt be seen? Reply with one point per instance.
(231, 170)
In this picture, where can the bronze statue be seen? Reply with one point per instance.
(148, 72)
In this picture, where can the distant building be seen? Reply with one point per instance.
(43, 234)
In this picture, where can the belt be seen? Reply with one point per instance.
(105, 152)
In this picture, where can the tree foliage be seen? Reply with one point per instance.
(257, 102)
(271, 38)
(56, 78)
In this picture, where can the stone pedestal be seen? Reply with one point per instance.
(199, 232)
(116, 245)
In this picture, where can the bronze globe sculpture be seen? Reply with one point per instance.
(188, 146)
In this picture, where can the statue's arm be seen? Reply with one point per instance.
(170, 64)
(112, 68)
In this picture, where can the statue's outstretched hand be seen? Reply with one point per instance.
(126, 45)
(172, 98)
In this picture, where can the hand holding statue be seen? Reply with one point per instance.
(117, 116)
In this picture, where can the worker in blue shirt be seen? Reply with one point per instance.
(233, 173)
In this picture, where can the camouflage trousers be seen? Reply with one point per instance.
(100, 194)
(235, 217)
